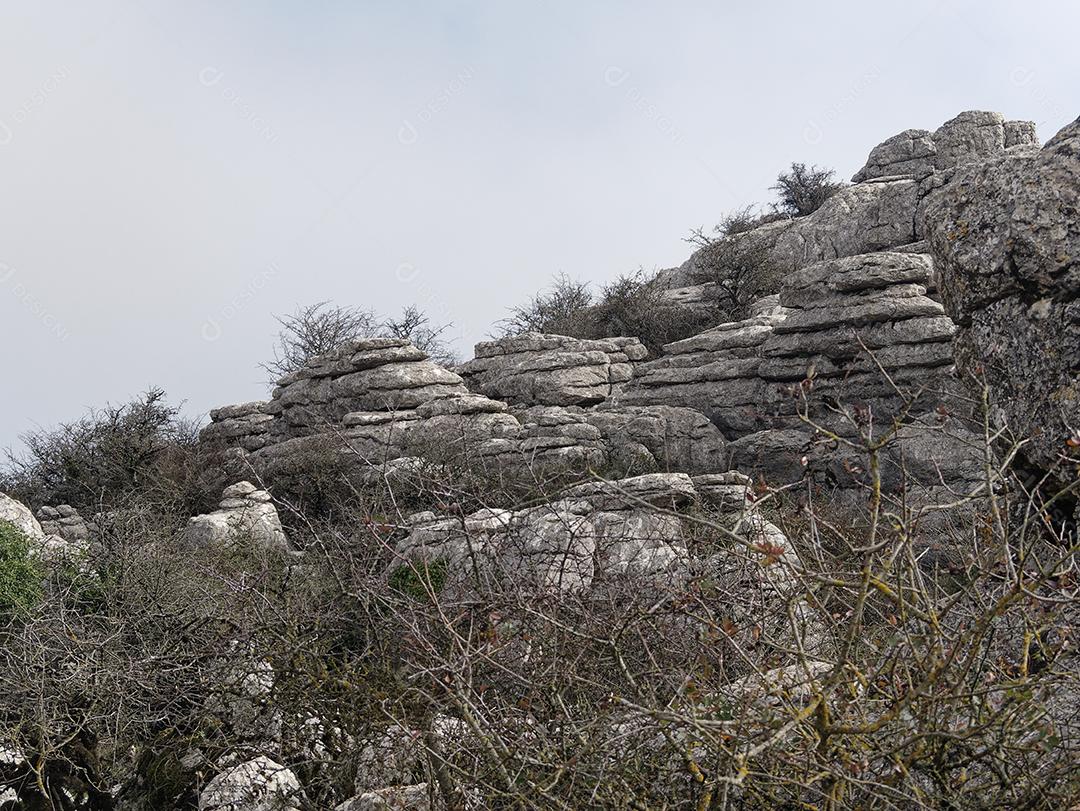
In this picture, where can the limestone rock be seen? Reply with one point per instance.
(539, 369)
(592, 531)
(259, 784)
(1006, 237)
(246, 518)
(19, 515)
(969, 137)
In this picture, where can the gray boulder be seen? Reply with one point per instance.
(538, 369)
(246, 518)
(259, 784)
(1005, 235)
(969, 137)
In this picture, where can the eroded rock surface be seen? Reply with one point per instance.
(538, 369)
(1005, 234)
(246, 518)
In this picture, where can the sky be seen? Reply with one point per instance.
(175, 174)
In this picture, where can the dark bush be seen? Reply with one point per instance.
(633, 304)
(142, 450)
(803, 190)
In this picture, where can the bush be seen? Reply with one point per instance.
(559, 310)
(142, 450)
(20, 573)
(735, 266)
(633, 305)
(321, 327)
(803, 190)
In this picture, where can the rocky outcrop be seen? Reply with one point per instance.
(858, 332)
(970, 137)
(582, 538)
(62, 538)
(1005, 235)
(882, 211)
(538, 369)
(246, 518)
(64, 522)
(19, 515)
(426, 421)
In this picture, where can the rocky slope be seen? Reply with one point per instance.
(951, 257)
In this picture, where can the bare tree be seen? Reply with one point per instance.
(803, 190)
(314, 330)
(415, 326)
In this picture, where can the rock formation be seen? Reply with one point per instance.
(1005, 235)
(246, 518)
(588, 534)
(537, 369)
(259, 784)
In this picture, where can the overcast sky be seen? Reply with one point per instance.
(174, 174)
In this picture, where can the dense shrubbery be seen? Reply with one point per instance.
(908, 682)
(20, 574)
(633, 304)
(143, 450)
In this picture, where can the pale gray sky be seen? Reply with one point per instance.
(175, 173)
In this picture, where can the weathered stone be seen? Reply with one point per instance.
(538, 369)
(259, 784)
(1006, 237)
(246, 518)
(969, 137)
(18, 515)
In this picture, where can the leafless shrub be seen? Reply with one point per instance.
(633, 304)
(803, 190)
(321, 327)
(559, 309)
(841, 667)
(142, 449)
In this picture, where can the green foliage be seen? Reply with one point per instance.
(20, 574)
(419, 581)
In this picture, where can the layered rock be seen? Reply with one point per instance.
(1005, 234)
(882, 211)
(848, 339)
(586, 536)
(52, 542)
(64, 522)
(246, 518)
(970, 137)
(538, 369)
(323, 410)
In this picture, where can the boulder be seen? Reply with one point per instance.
(259, 784)
(539, 369)
(1005, 235)
(19, 515)
(245, 518)
(969, 137)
